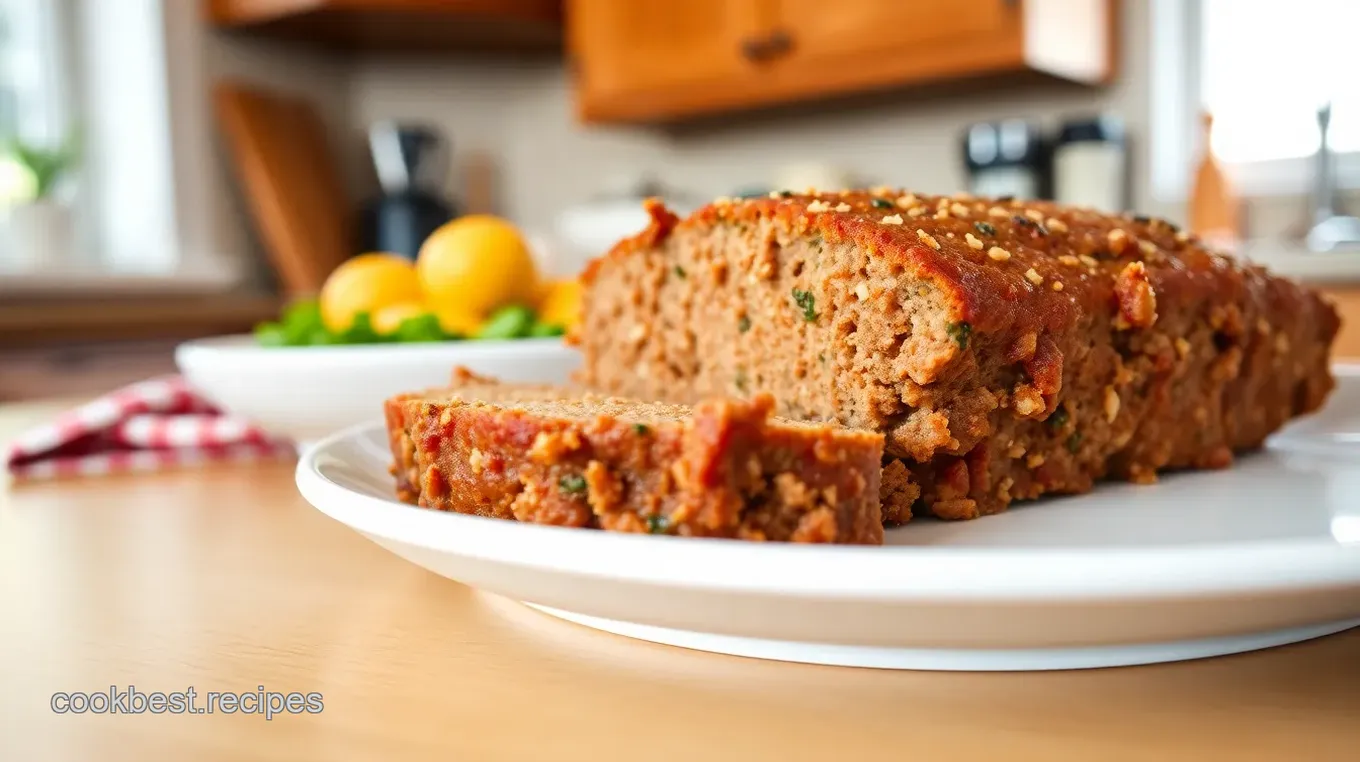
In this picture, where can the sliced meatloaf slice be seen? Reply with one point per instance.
(463, 385)
(1006, 349)
(720, 469)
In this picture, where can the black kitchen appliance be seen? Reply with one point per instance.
(412, 167)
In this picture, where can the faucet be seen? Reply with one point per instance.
(1331, 229)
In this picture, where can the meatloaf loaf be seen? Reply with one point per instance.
(1006, 349)
(721, 469)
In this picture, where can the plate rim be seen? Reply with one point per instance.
(846, 572)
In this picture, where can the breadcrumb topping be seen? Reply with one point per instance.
(1117, 239)
(1111, 403)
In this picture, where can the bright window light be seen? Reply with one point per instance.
(1268, 66)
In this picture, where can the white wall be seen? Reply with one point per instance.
(521, 113)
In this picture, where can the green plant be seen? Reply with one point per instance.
(46, 165)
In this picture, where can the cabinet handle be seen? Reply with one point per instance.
(755, 49)
(778, 43)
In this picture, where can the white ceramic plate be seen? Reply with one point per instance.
(309, 392)
(1201, 564)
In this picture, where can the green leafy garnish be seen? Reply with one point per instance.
(680, 272)
(1059, 419)
(299, 324)
(544, 330)
(1074, 442)
(510, 322)
(359, 332)
(985, 228)
(641, 429)
(271, 334)
(786, 193)
(420, 328)
(740, 380)
(743, 324)
(658, 524)
(807, 302)
(321, 337)
(881, 203)
(302, 315)
(959, 332)
(572, 484)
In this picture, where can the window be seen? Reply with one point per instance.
(1262, 69)
(33, 75)
(128, 77)
(35, 114)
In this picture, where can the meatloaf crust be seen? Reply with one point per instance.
(721, 469)
(1006, 349)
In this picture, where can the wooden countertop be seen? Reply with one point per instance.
(224, 579)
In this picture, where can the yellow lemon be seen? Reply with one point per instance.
(366, 283)
(562, 304)
(388, 319)
(457, 321)
(475, 264)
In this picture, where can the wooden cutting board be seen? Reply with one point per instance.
(290, 182)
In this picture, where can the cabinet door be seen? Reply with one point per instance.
(654, 57)
(835, 46)
(856, 29)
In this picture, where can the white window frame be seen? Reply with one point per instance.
(1175, 106)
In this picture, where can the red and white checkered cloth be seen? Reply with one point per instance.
(148, 426)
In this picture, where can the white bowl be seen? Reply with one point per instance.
(306, 393)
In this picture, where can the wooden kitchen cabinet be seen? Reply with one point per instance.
(863, 29)
(650, 57)
(658, 62)
(520, 26)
